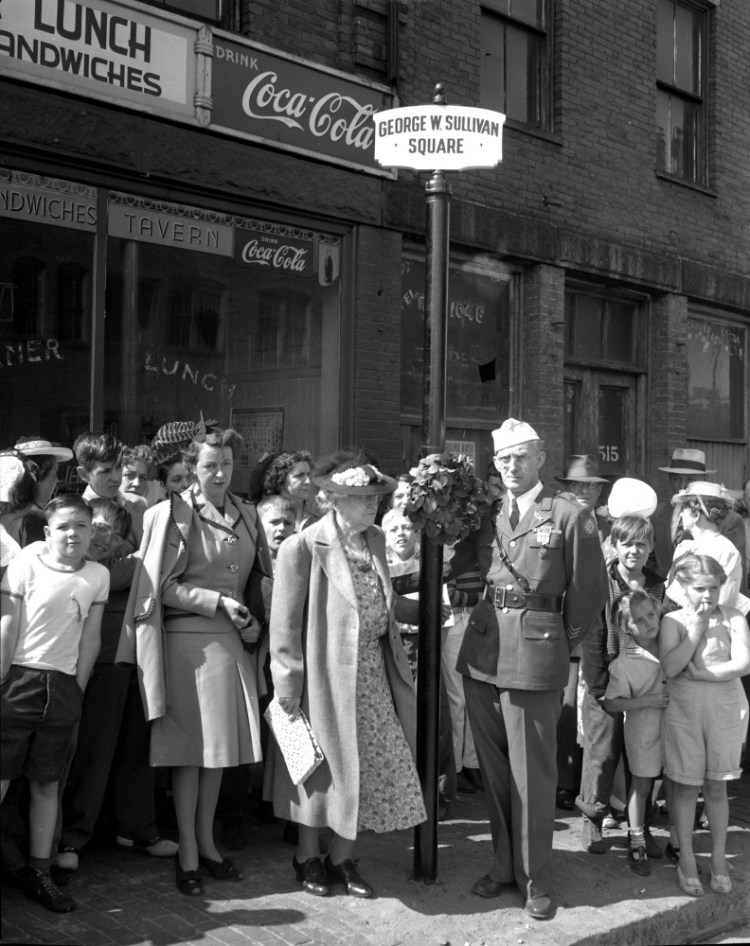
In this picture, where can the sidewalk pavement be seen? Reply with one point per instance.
(130, 899)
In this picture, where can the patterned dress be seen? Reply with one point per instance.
(390, 798)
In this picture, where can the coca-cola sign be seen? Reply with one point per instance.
(265, 96)
(274, 253)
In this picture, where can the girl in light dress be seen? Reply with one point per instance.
(704, 647)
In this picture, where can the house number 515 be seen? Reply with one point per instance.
(609, 454)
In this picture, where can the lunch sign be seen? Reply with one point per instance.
(439, 137)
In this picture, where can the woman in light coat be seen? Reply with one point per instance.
(336, 652)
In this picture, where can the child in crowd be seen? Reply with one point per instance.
(637, 688)
(138, 474)
(704, 649)
(49, 640)
(113, 733)
(99, 459)
(173, 472)
(632, 539)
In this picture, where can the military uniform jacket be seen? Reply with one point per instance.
(555, 548)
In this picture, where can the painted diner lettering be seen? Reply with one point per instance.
(75, 21)
(334, 116)
(30, 350)
(26, 202)
(207, 380)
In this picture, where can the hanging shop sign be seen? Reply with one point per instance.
(262, 95)
(439, 138)
(103, 49)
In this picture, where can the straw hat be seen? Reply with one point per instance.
(35, 447)
(700, 490)
(687, 461)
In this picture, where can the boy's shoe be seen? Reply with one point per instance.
(638, 861)
(591, 836)
(653, 848)
(67, 858)
(155, 847)
(42, 888)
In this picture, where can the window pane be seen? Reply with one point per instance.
(572, 392)
(620, 332)
(522, 51)
(44, 343)
(530, 11)
(716, 380)
(665, 41)
(612, 426)
(478, 342)
(662, 134)
(687, 49)
(684, 119)
(492, 82)
(587, 328)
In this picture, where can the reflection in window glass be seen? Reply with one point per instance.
(478, 342)
(717, 379)
(44, 341)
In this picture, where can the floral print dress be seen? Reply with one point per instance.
(390, 798)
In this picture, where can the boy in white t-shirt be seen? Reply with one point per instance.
(52, 604)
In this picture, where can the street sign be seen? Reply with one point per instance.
(439, 137)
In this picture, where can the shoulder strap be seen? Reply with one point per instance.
(523, 583)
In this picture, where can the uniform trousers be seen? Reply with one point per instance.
(113, 736)
(463, 741)
(515, 733)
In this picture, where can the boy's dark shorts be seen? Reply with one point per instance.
(40, 714)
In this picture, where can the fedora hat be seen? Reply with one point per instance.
(363, 480)
(36, 447)
(581, 468)
(687, 461)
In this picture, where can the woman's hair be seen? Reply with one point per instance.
(142, 452)
(622, 609)
(115, 514)
(632, 528)
(215, 438)
(162, 470)
(267, 478)
(687, 568)
(712, 507)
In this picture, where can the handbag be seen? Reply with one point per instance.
(295, 738)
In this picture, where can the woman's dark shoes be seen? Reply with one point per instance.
(311, 874)
(346, 873)
(219, 870)
(188, 881)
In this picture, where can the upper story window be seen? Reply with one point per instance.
(516, 57)
(210, 10)
(681, 101)
(603, 330)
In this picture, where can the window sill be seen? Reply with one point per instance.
(681, 182)
(532, 132)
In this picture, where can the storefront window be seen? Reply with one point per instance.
(231, 316)
(478, 355)
(46, 267)
(717, 380)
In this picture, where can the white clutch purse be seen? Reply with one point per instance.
(296, 740)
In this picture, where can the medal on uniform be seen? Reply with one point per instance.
(543, 534)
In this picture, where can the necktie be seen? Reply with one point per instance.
(513, 512)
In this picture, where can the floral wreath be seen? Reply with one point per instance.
(445, 497)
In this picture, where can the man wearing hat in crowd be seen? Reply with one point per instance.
(687, 466)
(545, 586)
(580, 479)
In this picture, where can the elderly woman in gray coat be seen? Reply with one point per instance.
(336, 652)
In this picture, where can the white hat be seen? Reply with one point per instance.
(704, 490)
(512, 433)
(36, 447)
(631, 497)
(687, 462)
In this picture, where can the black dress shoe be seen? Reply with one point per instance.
(474, 778)
(312, 876)
(346, 873)
(539, 907)
(565, 799)
(487, 887)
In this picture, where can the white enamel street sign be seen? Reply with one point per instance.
(439, 137)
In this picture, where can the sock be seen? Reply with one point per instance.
(636, 838)
(40, 863)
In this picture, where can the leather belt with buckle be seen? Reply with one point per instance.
(505, 598)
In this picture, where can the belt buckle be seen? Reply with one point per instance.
(499, 597)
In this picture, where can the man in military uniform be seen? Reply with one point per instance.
(546, 585)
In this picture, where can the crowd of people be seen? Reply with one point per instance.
(591, 655)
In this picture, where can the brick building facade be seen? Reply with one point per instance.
(600, 275)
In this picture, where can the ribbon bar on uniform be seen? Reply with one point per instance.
(504, 598)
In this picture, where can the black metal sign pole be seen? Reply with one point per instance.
(431, 571)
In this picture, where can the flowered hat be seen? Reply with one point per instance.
(363, 480)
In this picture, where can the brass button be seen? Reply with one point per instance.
(512, 543)
(505, 610)
(233, 568)
(509, 587)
